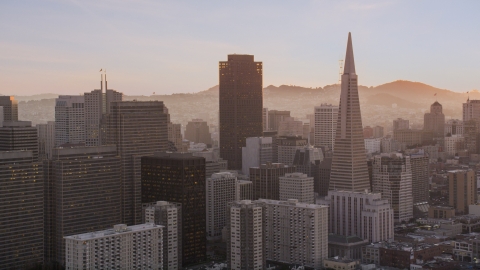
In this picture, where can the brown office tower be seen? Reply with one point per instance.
(19, 135)
(10, 108)
(138, 128)
(349, 164)
(241, 105)
(462, 190)
(180, 178)
(266, 180)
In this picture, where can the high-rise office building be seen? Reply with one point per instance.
(244, 190)
(453, 144)
(326, 117)
(454, 127)
(198, 131)
(297, 186)
(10, 108)
(22, 227)
(291, 127)
(435, 121)
(19, 135)
(287, 148)
(378, 132)
(169, 215)
(462, 190)
(392, 177)
(353, 209)
(258, 150)
(471, 110)
(307, 161)
(275, 117)
(97, 104)
(349, 164)
(265, 179)
(46, 139)
(400, 123)
(367, 132)
(82, 194)
(420, 177)
(373, 145)
(122, 247)
(69, 120)
(322, 185)
(221, 189)
(245, 235)
(175, 136)
(296, 233)
(265, 118)
(241, 105)
(138, 128)
(180, 178)
(213, 162)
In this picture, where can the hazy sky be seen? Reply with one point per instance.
(174, 46)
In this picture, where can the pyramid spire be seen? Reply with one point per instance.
(349, 67)
(349, 164)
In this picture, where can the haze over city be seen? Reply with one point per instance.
(174, 47)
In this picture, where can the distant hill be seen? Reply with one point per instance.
(412, 100)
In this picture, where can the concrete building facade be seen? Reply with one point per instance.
(221, 190)
(297, 186)
(326, 117)
(258, 150)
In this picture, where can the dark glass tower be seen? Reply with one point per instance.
(82, 194)
(180, 178)
(21, 210)
(241, 105)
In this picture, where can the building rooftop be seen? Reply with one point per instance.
(117, 229)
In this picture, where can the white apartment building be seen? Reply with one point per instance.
(452, 144)
(221, 189)
(364, 214)
(326, 117)
(296, 232)
(258, 150)
(46, 139)
(123, 247)
(373, 145)
(297, 186)
(245, 235)
(69, 120)
(168, 215)
(392, 177)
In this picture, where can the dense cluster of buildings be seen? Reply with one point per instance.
(114, 184)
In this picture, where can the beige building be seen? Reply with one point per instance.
(462, 189)
(343, 264)
(326, 116)
(296, 233)
(297, 186)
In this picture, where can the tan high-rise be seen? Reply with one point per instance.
(349, 164)
(462, 189)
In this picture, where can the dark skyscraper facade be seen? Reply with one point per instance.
(180, 178)
(349, 164)
(10, 108)
(19, 135)
(21, 210)
(82, 194)
(241, 104)
(138, 128)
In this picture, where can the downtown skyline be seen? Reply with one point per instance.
(60, 46)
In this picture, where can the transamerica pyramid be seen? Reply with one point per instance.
(349, 164)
